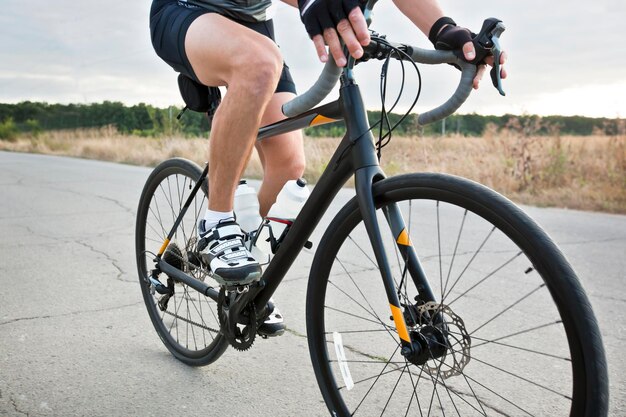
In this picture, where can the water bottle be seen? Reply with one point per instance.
(288, 204)
(247, 207)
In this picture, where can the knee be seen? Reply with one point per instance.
(287, 167)
(294, 169)
(259, 70)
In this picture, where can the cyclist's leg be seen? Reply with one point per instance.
(282, 156)
(222, 52)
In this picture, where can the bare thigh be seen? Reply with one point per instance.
(219, 49)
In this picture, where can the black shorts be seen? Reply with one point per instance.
(169, 21)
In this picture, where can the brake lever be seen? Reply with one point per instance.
(488, 42)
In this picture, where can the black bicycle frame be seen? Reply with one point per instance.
(356, 154)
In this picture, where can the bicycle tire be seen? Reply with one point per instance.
(189, 326)
(545, 358)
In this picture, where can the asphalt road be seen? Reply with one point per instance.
(75, 338)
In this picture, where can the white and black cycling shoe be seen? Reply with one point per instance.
(223, 251)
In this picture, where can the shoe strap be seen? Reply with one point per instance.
(224, 231)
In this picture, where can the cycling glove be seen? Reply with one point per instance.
(318, 15)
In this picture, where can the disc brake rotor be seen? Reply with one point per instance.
(459, 342)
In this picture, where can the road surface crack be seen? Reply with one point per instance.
(120, 271)
(109, 199)
(16, 408)
(72, 313)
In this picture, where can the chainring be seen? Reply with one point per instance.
(240, 336)
(459, 341)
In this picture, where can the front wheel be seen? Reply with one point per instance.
(510, 333)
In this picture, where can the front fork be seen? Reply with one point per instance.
(367, 171)
(365, 178)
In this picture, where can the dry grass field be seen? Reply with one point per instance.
(586, 173)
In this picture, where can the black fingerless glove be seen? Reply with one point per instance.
(318, 15)
(451, 37)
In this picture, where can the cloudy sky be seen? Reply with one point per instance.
(565, 56)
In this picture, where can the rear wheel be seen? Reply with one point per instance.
(515, 333)
(187, 322)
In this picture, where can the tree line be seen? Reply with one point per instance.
(146, 120)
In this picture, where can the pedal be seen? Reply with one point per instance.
(266, 330)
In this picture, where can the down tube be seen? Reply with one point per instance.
(334, 177)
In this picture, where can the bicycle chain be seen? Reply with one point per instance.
(191, 321)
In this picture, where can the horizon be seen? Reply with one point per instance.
(180, 106)
(59, 53)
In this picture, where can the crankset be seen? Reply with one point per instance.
(237, 316)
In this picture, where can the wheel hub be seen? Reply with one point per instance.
(440, 344)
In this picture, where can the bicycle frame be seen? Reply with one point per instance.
(356, 154)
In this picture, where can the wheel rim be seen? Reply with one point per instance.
(189, 325)
(519, 349)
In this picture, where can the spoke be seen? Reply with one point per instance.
(364, 253)
(371, 311)
(362, 318)
(157, 216)
(186, 296)
(432, 397)
(163, 232)
(485, 342)
(394, 389)
(468, 264)
(167, 195)
(466, 376)
(506, 372)
(519, 332)
(359, 331)
(492, 273)
(394, 243)
(369, 378)
(199, 311)
(452, 390)
(169, 188)
(367, 256)
(439, 250)
(376, 380)
(355, 361)
(181, 196)
(176, 316)
(160, 238)
(437, 379)
(508, 308)
(509, 373)
(414, 393)
(498, 395)
(458, 394)
(202, 317)
(456, 247)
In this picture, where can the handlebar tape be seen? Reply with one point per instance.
(318, 92)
